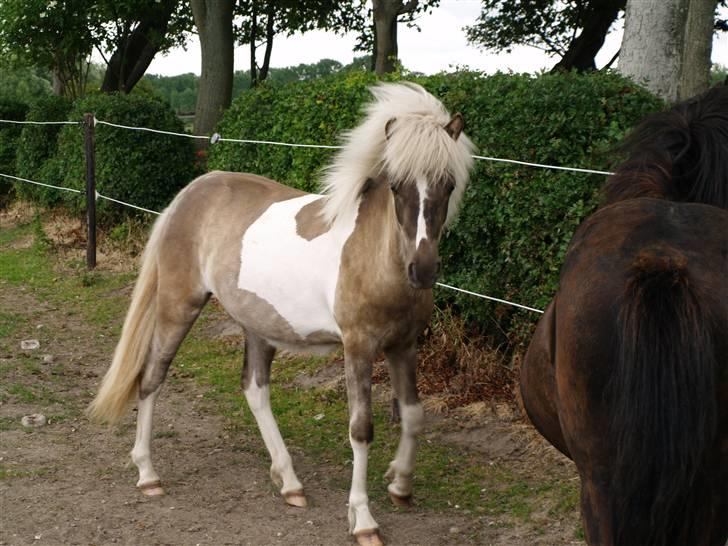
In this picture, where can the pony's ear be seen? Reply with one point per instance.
(389, 127)
(455, 126)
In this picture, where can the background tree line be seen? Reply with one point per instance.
(60, 36)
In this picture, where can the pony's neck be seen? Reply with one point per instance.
(381, 237)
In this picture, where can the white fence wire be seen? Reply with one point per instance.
(215, 138)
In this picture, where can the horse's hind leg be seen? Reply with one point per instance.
(174, 319)
(402, 365)
(256, 380)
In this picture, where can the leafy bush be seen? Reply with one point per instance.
(511, 235)
(310, 112)
(37, 145)
(10, 109)
(138, 167)
(516, 222)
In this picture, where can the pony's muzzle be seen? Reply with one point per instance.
(423, 274)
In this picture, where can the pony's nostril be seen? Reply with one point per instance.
(411, 271)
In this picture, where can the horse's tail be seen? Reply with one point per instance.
(120, 383)
(664, 410)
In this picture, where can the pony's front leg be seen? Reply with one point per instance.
(402, 365)
(358, 365)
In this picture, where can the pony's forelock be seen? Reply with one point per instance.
(414, 145)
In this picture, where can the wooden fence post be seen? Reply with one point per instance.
(88, 122)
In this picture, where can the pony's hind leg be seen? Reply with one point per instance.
(256, 380)
(174, 319)
(402, 364)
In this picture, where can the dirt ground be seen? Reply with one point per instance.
(69, 482)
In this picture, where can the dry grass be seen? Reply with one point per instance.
(117, 249)
(457, 369)
(461, 368)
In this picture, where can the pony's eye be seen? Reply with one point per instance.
(450, 188)
(395, 191)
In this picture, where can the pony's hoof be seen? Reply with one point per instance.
(296, 498)
(152, 489)
(368, 538)
(400, 501)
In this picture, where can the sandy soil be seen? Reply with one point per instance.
(69, 482)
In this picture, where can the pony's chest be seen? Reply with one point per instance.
(295, 275)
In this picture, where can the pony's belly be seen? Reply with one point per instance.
(287, 282)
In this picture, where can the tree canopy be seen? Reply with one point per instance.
(572, 31)
(60, 35)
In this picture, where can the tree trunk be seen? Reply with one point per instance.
(698, 43)
(136, 51)
(595, 25)
(269, 34)
(59, 82)
(385, 32)
(667, 45)
(214, 22)
(253, 37)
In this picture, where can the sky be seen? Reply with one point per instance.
(440, 46)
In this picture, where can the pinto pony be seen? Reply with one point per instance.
(353, 267)
(627, 372)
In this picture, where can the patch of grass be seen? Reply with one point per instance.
(9, 323)
(447, 478)
(9, 423)
(166, 434)
(22, 393)
(7, 472)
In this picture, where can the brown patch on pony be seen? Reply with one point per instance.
(271, 326)
(309, 221)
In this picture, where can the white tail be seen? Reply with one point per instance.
(120, 383)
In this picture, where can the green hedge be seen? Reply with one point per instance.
(37, 147)
(10, 109)
(138, 167)
(516, 221)
(311, 112)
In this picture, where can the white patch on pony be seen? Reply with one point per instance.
(296, 276)
(421, 224)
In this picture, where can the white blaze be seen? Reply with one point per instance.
(421, 224)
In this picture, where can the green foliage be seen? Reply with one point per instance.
(545, 24)
(516, 221)
(181, 91)
(38, 145)
(9, 134)
(141, 168)
(315, 112)
(24, 82)
(718, 74)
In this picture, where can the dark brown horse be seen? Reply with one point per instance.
(627, 373)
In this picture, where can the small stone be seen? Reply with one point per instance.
(454, 530)
(48, 359)
(318, 416)
(29, 344)
(35, 420)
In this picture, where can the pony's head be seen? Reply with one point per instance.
(411, 142)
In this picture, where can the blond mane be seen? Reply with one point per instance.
(417, 146)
